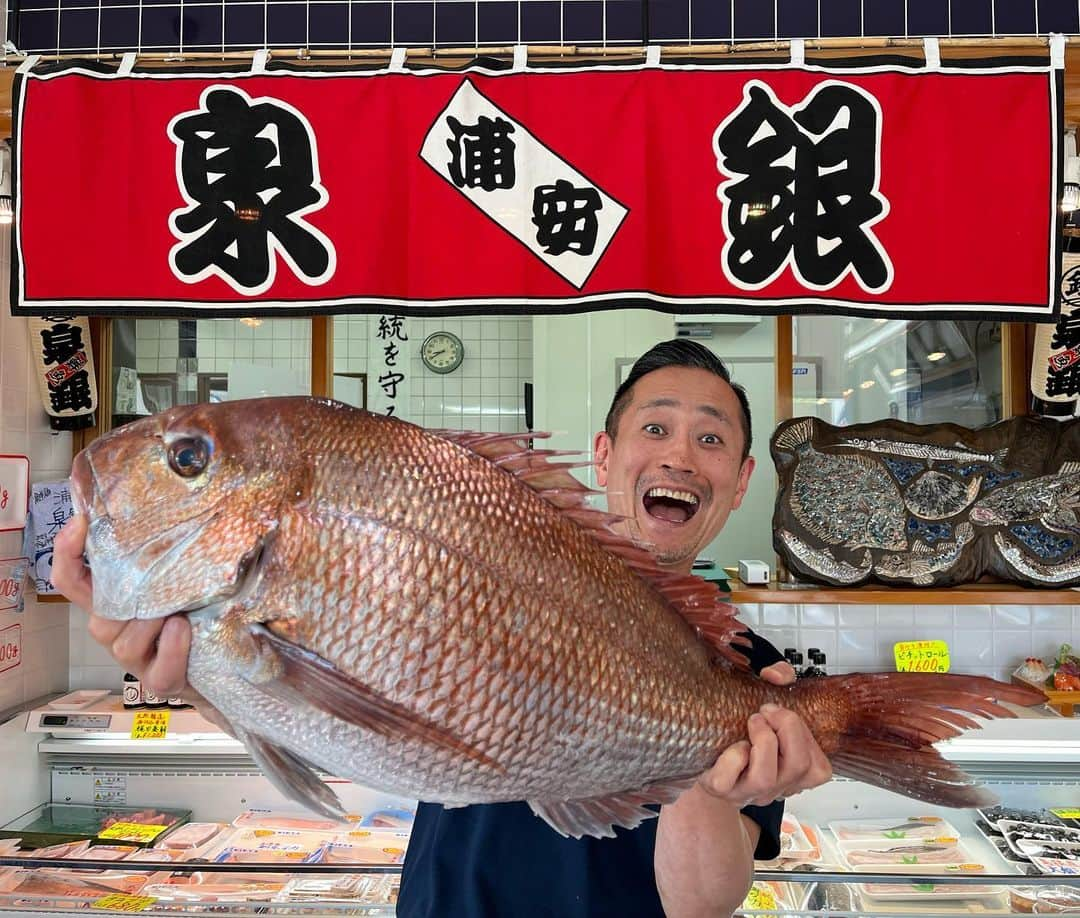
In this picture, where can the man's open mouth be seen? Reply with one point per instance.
(670, 505)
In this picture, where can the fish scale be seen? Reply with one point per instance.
(420, 619)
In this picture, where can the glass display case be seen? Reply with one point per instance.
(847, 848)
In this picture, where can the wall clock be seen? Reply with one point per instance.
(442, 352)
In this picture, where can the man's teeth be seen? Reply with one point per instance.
(684, 496)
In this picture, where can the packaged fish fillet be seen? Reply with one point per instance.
(192, 835)
(945, 854)
(369, 847)
(913, 891)
(895, 827)
(269, 819)
(794, 842)
(209, 887)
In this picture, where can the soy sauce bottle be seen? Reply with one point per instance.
(151, 700)
(133, 693)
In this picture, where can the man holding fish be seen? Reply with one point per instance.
(674, 459)
(441, 615)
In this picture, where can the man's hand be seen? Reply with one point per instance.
(780, 758)
(155, 650)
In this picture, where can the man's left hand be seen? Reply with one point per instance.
(780, 758)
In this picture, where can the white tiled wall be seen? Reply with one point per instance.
(983, 640)
(222, 342)
(484, 393)
(24, 430)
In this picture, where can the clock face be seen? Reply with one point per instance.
(442, 352)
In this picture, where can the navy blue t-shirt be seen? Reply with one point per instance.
(502, 861)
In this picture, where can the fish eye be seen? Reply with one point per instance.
(188, 456)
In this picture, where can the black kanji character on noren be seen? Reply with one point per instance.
(60, 342)
(390, 354)
(565, 217)
(482, 154)
(250, 172)
(808, 189)
(390, 382)
(1065, 382)
(72, 394)
(392, 327)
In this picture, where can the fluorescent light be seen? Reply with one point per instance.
(899, 371)
(822, 401)
(866, 384)
(936, 355)
(847, 392)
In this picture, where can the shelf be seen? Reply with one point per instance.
(971, 594)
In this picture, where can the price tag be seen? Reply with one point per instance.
(1067, 813)
(132, 831)
(150, 725)
(118, 902)
(921, 657)
(760, 900)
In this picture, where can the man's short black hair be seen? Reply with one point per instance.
(679, 352)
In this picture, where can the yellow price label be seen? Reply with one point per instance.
(1067, 813)
(921, 657)
(118, 902)
(132, 831)
(760, 899)
(150, 725)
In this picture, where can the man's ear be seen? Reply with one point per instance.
(601, 454)
(744, 481)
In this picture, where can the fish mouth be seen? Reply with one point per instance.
(672, 505)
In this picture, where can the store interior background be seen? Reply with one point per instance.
(574, 363)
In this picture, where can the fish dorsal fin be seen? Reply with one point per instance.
(696, 600)
(1069, 468)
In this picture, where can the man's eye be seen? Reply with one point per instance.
(711, 439)
(653, 429)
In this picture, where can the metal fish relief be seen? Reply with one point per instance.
(824, 561)
(844, 499)
(935, 495)
(923, 562)
(922, 450)
(929, 504)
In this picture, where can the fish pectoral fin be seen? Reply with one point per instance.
(598, 816)
(324, 686)
(291, 775)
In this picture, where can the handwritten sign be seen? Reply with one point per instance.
(118, 902)
(12, 577)
(150, 725)
(132, 832)
(1067, 813)
(921, 657)
(10, 647)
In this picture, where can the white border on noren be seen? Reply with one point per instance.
(564, 304)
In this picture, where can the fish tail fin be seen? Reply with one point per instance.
(890, 722)
(795, 435)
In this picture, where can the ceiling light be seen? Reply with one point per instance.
(936, 355)
(757, 209)
(251, 322)
(880, 321)
(899, 371)
(822, 401)
(847, 392)
(866, 384)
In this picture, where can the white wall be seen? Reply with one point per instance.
(24, 430)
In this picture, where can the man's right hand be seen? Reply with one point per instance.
(155, 650)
